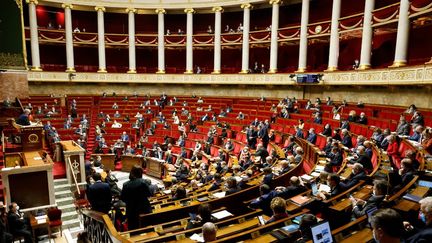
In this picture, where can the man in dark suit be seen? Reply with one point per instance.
(346, 139)
(360, 207)
(296, 187)
(261, 152)
(424, 234)
(355, 177)
(263, 201)
(268, 176)
(99, 195)
(17, 224)
(405, 175)
(335, 187)
(263, 134)
(312, 137)
(251, 135)
(362, 159)
(23, 119)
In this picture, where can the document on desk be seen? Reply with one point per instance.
(197, 237)
(219, 194)
(324, 188)
(37, 158)
(222, 214)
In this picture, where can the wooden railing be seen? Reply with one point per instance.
(99, 228)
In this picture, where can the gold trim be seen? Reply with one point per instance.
(398, 63)
(35, 2)
(36, 69)
(244, 71)
(331, 69)
(300, 70)
(188, 72)
(97, 8)
(128, 10)
(430, 62)
(70, 70)
(216, 72)
(67, 5)
(189, 10)
(23, 37)
(273, 70)
(217, 9)
(132, 71)
(274, 2)
(102, 70)
(364, 66)
(160, 10)
(246, 5)
(160, 71)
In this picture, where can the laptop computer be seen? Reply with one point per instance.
(314, 188)
(321, 233)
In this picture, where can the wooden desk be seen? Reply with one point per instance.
(345, 204)
(35, 225)
(363, 235)
(143, 236)
(154, 167)
(407, 205)
(70, 146)
(263, 238)
(32, 158)
(107, 160)
(129, 161)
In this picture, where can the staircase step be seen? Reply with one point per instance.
(60, 181)
(71, 224)
(63, 194)
(69, 207)
(66, 216)
(62, 187)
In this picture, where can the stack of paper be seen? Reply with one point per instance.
(219, 194)
(222, 214)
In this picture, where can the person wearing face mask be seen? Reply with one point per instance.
(387, 226)
(425, 215)
(17, 224)
(360, 207)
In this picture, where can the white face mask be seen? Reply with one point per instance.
(17, 207)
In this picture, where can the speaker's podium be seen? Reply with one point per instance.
(28, 175)
(73, 156)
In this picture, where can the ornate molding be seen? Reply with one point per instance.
(67, 5)
(160, 10)
(246, 5)
(189, 10)
(416, 75)
(217, 9)
(128, 10)
(275, 2)
(35, 2)
(97, 8)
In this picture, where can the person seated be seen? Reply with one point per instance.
(231, 185)
(115, 106)
(403, 176)
(346, 139)
(129, 150)
(417, 119)
(426, 143)
(312, 137)
(23, 119)
(335, 187)
(209, 232)
(357, 174)
(117, 114)
(278, 206)
(203, 216)
(416, 136)
(306, 222)
(296, 187)
(240, 116)
(118, 144)
(379, 192)
(182, 172)
(116, 124)
(422, 234)
(229, 146)
(112, 180)
(17, 224)
(217, 182)
(361, 158)
(362, 119)
(285, 165)
(268, 176)
(298, 154)
(387, 226)
(179, 193)
(124, 137)
(403, 127)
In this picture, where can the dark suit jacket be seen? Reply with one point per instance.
(291, 191)
(346, 141)
(423, 236)
(365, 161)
(15, 223)
(312, 138)
(263, 202)
(354, 179)
(373, 201)
(268, 179)
(99, 196)
(135, 194)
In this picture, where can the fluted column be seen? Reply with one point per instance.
(402, 35)
(367, 34)
(34, 39)
(334, 37)
(274, 36)
(161, 40)
(245, 44)
(131, 31)
(189, 40)
(70, 66)
(217, 40)
(101, 39)
(303, 37)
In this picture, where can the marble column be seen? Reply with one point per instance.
(161, 40)
(131, 30)
(70, 66)
(189, 40)
(245, 44)
(274, 36)
(367, 34)
(101, 39)
(34, 38)
(217, 40)
(334, 37)
(401, 52)
(302, 64)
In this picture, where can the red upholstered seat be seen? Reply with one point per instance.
(54, 215)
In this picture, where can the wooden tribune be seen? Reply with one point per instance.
(155, 167)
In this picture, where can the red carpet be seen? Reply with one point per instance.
(59, 170)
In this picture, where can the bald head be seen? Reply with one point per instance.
(209, 232)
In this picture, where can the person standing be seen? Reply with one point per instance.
(135, 194)
(99, 195)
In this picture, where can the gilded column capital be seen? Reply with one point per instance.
(35, 2)
(101, 8)
(246, 5)
(67, 5)
(189, 10)
(275, 2)
(160, 10)
(128, 10)
(217, 9)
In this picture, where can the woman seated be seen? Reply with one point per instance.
(203, 216)
(116, 124)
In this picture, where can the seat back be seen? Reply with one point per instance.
(54, 214)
